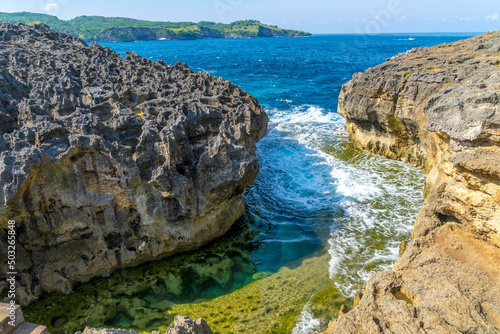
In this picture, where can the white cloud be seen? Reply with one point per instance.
(467, 19)
(492, 17)
(51, 8)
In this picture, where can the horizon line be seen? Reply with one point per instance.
(313, 34)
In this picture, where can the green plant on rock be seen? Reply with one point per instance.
(432, 69)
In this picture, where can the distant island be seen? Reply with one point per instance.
(121, 29)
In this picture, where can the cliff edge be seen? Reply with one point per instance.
(108, 162)
(437, 108)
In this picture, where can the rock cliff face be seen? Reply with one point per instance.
(132, 34)
(108, 162)
(437, 108)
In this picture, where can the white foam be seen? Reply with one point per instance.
(307, 324)
(304, 113)
(380, 198)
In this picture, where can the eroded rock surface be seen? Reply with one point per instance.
(90, 330)
(184, 325)
(108, 162)
(437, 108)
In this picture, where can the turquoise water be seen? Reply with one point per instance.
(315, 192)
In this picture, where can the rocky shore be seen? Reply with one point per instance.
(108, 162)
(437, 108)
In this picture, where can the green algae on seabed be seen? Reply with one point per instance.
(218, 282)
(138, 297)
(271, 304)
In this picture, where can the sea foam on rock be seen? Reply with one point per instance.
(437, 108)
(108, 162)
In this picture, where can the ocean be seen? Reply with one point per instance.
(321, 217)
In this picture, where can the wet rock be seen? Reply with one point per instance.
(108, 162)
(323, 325)
(437, 108)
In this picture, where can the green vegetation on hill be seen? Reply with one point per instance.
(120, 29)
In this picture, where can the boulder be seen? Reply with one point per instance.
(184, 325)
(108, 162)
(90, 330)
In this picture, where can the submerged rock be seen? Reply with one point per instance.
(437, 108)
(108, 162)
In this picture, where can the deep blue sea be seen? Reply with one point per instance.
(315, 192)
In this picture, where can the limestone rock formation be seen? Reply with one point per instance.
(90, 330)
(12, 321)
(108, 162)
(184, 325)
(437, 108)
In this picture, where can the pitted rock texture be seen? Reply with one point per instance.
(184, 325)
(90, 330)
(109, 162)
(437, 108)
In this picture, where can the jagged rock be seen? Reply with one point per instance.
(357, 298)
(437, 108)
(344, 309)
(90, 330)
(184, 325)
(403, 246)
(331, 327)
(108, 162)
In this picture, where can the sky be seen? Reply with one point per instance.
(315, 16)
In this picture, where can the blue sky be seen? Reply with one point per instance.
(316, 16)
